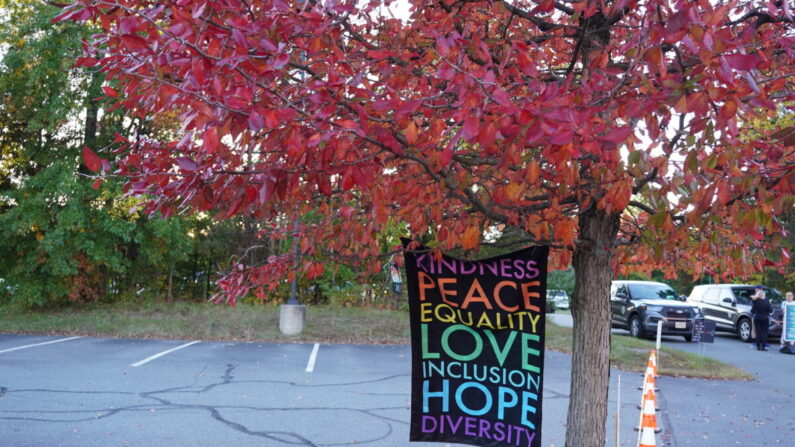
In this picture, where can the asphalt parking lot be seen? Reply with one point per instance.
(63, 391)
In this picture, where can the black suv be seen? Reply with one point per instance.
(640, 306)
(729, 306)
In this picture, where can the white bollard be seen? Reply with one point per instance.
(659, 340)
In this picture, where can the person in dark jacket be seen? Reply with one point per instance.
(761, 310)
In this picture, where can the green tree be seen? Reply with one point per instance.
(66, 238)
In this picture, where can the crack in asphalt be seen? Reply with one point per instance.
(215, 411)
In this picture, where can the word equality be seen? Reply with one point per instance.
(444, 313)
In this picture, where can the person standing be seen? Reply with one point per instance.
(761, 310)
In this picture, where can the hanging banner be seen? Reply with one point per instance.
(477, 345)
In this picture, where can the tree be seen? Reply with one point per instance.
(64, 236)
(618, 132)
(58, 243)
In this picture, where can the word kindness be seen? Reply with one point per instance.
(505, 268)
(477, 348)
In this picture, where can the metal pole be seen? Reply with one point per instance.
(618, 413)
(294, 283)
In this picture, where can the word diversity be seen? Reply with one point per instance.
(477, 347)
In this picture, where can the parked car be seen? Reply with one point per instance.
(640, 306)
(729, 306)
(559, 297)
(551, 308)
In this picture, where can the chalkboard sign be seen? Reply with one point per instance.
(788, 315)
(703, 331)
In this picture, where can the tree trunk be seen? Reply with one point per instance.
(169, 292)
(590, 308)
(92, 118)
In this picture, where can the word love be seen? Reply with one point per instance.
(500, 351)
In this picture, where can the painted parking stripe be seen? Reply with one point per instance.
(161, 354)
(38, 344)
(310, 366)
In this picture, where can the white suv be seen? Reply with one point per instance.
(729, 306)
(559, 297)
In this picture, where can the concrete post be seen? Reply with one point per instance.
(291, 318)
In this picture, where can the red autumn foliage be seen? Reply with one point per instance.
(541, 115)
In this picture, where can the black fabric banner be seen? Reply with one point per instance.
(477, 347)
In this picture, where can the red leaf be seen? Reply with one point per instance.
(271, 119)
(210, 139)
(86, 62)
(411, 133)
(110, 92)
(91, 160)
(268, 45)
(348, 124)
(561, 137)
(676, 23)
(67, 14)
(96, 183)
(447, 156)
(618, 135)
(197, 68)
(187, 164)
(324, 185)
(471, 127)
(134, 42)
(129, 25)
(742, 61)
(280, 61)
(443, 46)
(501, 96)
(346, 211)
(347, 179)
(255, 122)
(240, 38)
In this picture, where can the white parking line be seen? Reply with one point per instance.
(161, 354)
(310, 366)
(38, 344)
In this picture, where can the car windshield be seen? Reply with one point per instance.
(556, 293)
(652, 292)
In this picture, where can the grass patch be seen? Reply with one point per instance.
(206, 321)
(632, 354)
(327, 324)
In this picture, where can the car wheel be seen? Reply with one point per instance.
(636, 327)
(688, 337)
(744, 330)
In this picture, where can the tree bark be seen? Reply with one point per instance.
(590, 308)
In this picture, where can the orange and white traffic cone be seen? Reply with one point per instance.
(649, 385)
(653, 361)
(648, 422)
(648, 377)
(648, 416)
